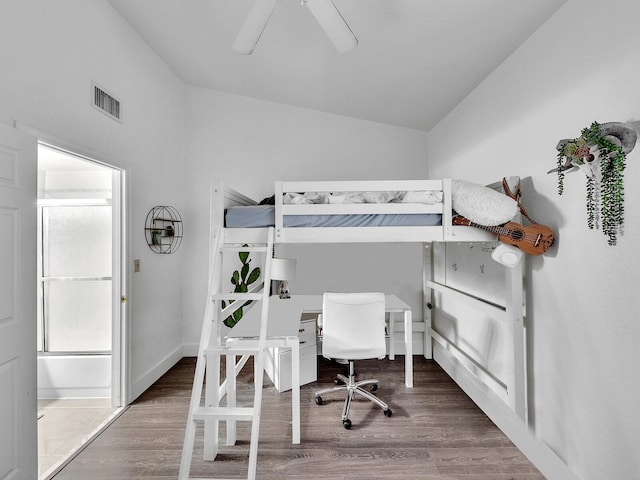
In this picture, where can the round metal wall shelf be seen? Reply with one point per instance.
(163, 229)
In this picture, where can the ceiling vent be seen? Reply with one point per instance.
(105, 102)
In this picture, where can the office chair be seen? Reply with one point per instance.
(353, 329)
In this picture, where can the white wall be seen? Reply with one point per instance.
(53, 50)
(50, 52)
(248, 144)
(581, 66)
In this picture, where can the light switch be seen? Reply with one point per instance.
(136, 265)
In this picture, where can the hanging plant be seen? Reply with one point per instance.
(601, 153)
(241, 279)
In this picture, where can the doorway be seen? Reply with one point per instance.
(79, 308)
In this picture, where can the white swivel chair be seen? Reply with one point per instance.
(353, 329)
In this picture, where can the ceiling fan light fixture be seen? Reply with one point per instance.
(253, 26)
(324, 11)
(333, 24)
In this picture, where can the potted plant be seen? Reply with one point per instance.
(155, 237)
(601, 153)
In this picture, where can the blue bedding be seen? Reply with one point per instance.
(260, 216)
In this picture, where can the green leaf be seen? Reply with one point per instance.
(243, 256)
(235, 278)
(254, 275)
(230, 322)
(245, 271)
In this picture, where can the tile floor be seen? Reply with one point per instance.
(65, 426)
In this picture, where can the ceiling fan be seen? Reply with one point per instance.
(325, 12)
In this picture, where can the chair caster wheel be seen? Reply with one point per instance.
(388, 412)
(373, 387)
(346, 424)
(318, 400)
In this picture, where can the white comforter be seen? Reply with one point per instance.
(427, 197)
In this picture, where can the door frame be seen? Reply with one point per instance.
(120, 346)
(120, 368)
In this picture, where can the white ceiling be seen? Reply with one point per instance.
(415, 61)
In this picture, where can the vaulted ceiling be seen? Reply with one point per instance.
(415, 60)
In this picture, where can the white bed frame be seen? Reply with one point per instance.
(224, 197)
(460, 365)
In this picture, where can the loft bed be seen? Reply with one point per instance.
(478, 339)
(301, 211)
(346, 212)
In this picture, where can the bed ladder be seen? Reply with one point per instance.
(213, 347)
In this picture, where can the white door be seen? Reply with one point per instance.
(18, 386)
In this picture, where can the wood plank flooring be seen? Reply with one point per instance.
(436, 433)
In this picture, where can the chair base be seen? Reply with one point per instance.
(352, 388)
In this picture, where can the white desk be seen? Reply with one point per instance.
(393, 305)
(284, 321)
(282, 331)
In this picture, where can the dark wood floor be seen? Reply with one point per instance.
(436, 432)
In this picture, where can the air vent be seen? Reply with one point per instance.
(106, 103)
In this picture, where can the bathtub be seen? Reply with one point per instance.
(74, 376)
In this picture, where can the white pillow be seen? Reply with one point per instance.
(482, 205)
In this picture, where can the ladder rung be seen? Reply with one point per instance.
(234, 248)
(237, 296)
(223, 413)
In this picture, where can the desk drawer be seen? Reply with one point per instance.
(278, 366)
(307, 332)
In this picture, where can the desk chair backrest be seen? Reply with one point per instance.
(353, 325)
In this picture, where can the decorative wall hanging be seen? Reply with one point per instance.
(163, 229)
(601, 153)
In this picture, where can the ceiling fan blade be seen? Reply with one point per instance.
(333, 24)
(253, 26)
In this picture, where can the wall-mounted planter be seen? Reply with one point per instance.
(163, 229)
(601, 153)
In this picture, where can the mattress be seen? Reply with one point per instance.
(261, 216)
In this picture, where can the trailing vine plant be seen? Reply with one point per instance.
(605, 189)
(241, 279)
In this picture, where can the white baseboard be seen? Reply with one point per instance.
(544, 459)
(144, 381)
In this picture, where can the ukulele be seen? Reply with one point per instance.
(534, 239)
